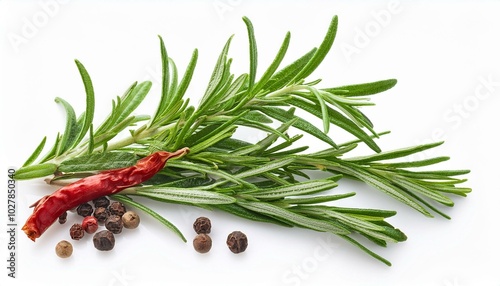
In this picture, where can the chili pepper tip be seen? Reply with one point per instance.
(31, 233)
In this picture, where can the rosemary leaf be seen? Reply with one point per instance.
(36, 171)
(364, 88)
(304, 188)
(283, 116)
(274, 65)
(181, 195)
(320, 53)
(132, 100)
(99, 161)
(90, 102)
(36, 153)
(285, 75)
(70, 133)
(293, 218)
(253, 53)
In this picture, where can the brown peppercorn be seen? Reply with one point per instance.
(117, 208)
(64, 249)
(101, 202)
(237, 242)
(130, 220)
(101, 214)
(104, 240)
(76, 231)
(202, 225)
(63, 218)
(89, 224)
(202, 243)
(114, 224)
(84, 209)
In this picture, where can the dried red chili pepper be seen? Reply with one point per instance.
(49, 208)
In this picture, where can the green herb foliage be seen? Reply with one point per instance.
(265, 181)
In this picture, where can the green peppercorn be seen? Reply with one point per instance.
(202, 243)
(64, 249)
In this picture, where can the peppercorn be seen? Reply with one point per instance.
(237, 242)
(114, 224)
(101, 214)
(89, 224)
(130, 220)
(64, 249)
(117, 208)
(62, 218)
(202, 225)
(101, 202)
(202, 243)
(104, 240)
(76, 231)
(84, 209)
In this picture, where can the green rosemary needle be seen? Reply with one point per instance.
(265, 181)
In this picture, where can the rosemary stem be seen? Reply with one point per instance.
(128, 191)
(134, 137)
(286, 90)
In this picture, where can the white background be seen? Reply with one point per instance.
(441, 52)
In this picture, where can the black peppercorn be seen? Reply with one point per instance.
(237, 242)
(202, 243)
(62, 218)
(202, 225)
(101, 214)
(84, 209)
(104, 240)
(76, 231)
(101, 202)
(114, 224)
(117, 208)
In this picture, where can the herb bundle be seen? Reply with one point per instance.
(266, 181)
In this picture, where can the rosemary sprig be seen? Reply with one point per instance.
(268, 180)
